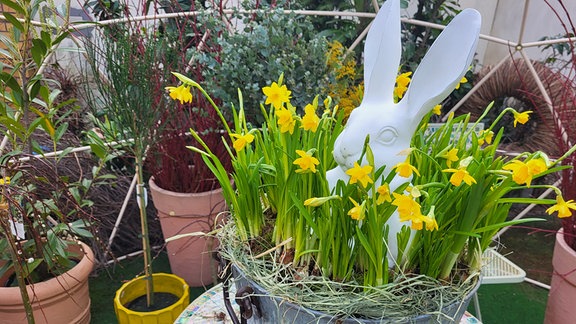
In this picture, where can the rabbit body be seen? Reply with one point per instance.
(390, 126)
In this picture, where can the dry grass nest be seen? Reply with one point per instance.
(397, 301)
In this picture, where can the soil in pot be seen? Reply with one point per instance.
(161, 300)
(35, 277)
(136, 288)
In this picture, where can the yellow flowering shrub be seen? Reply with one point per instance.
(345, 85)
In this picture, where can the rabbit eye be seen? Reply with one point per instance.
(387, 135)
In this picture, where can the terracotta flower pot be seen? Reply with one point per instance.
(562, 296)
(63, 299)
(180, 213)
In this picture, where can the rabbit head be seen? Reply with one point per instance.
(390, 126)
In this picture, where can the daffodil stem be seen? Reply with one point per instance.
(448, 264)
(224, 121)
(500, 117)
(431, 185)
(190, 82)
(565, 155)
(484, 114)
(468, 218)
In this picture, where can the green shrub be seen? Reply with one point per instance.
(271, 43)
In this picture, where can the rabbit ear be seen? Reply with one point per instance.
(382, 54)
(445, 64)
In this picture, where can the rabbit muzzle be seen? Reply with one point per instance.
(346, 154)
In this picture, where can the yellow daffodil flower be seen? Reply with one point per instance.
(536, 166)
(460, 175)
(522, 173)
(407, 207)
(409, 210)
(485, 136)
(383, 194)
(437, 110)
(562, 207)
(357, 212)
(450, 156)
(276, 95)
(241, 141)
(310, 121)
(306, 162)
(416, 222)
(182, 93)
(430, 220)
(360, 174)
(522, 117)
(285, 120)
(405, 169)
(402, 82)
(462, 81)
(431, 223)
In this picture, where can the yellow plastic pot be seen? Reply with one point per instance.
(163, 282)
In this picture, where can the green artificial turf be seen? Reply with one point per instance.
(511, 303)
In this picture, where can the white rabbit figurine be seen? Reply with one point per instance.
(389, 125)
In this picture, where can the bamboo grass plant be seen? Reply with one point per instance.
(127, 96)
(458, 199)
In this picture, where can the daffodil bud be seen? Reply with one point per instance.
(465, 162)
(414, 192)
(319, 201)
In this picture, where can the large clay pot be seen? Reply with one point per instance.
(562, 297)
(180, 213)
(63, 299)
(163, 282)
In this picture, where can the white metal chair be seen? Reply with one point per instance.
(497, 269)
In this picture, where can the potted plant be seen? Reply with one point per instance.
(43, 212)
(560, 304)
(559, 307)
(367, 222)
(46, 265)
(186, 195)
(127, 96)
